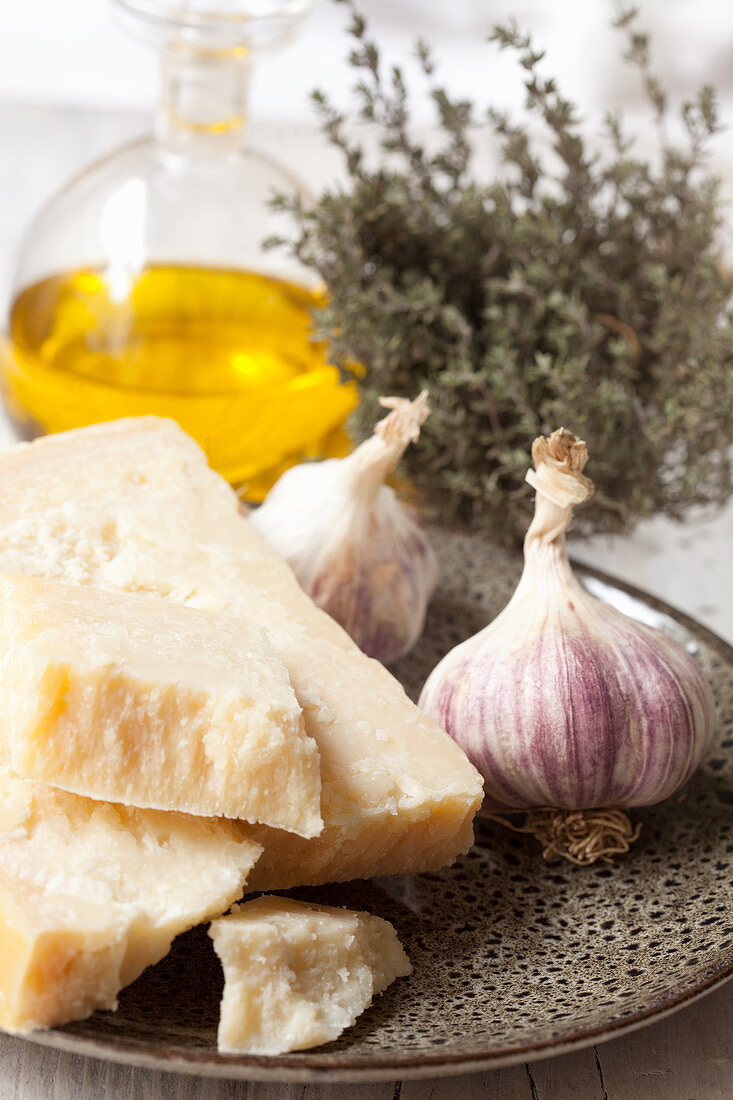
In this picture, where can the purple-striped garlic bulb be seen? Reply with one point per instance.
(356, 549)
(571, 710)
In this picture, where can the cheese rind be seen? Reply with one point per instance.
(91, 894)
(296, 975)
(129, 699)
(132, 505)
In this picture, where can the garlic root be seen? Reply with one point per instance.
(582, 837)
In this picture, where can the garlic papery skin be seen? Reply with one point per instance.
(356, 549)
(562, 702)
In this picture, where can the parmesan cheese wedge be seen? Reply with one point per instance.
(296, 975)
(91, 894)
(130, 699)
(133, 505)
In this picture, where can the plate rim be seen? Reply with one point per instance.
(428, 1065)
(304, 1067)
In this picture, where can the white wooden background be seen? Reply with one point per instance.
(688, 1056)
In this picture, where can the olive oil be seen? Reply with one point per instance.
(225, 353)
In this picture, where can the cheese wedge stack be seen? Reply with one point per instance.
(296, 975)
(92, 893)
(136, 700)
(133, 506)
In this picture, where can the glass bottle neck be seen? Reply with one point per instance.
(204, 98)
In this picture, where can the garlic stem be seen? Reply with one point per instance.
(560, 484)
(376, 458)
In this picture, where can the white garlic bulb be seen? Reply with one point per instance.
(562, 702)
(356, 549)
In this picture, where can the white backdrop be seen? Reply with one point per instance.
(72, 52)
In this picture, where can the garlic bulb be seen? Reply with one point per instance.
(355, 548)
(562, 702)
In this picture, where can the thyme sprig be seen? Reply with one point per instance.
(580, 287)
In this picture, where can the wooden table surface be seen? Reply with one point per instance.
(687, 1056)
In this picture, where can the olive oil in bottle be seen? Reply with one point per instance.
(226, 353)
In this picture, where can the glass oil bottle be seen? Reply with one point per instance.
(142, 287)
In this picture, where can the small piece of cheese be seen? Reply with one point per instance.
(130, 699)
(296, 975)
(92, 893)
(133, 505)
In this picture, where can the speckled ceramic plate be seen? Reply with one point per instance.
(513, 959)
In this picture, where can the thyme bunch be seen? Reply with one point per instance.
(578, 287)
